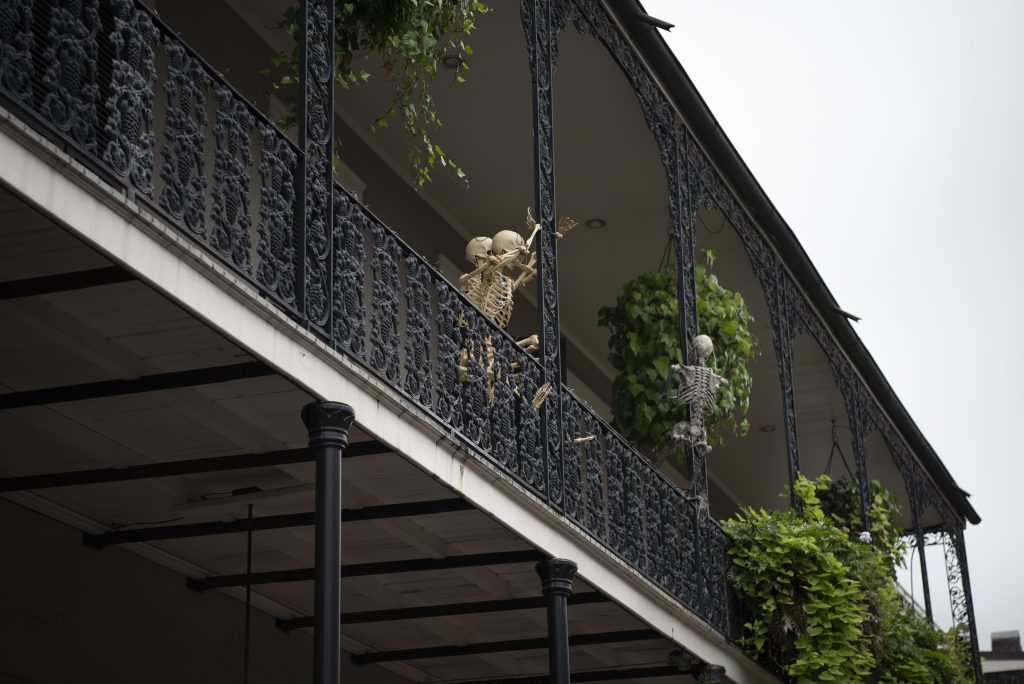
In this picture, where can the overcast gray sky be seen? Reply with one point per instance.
(890, 135)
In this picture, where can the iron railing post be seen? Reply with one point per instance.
(314, 217)
(541, 37)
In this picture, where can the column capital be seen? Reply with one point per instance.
(556, 575)
(328, 423)
(708, 674)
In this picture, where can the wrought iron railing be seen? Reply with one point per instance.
(128, 99)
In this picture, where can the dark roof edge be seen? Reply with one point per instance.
(699, 117)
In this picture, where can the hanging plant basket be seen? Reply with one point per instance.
(644, 325)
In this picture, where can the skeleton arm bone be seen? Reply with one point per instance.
(493, 262)
(529, 241)
(528, 272)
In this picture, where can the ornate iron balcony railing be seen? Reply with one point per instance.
(123, 95)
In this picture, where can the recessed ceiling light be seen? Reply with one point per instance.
(595, 223)
(452, 62)
(767, 428)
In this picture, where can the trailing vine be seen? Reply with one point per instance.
(644, 343)
(412, 37)
(824, 601)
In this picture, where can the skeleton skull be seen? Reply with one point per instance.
(477, 250)
(702, 348)
(506, 241)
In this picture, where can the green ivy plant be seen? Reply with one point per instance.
(841, 502)
(804, 601)
(412, 37)
(827, 603)
(644, 343)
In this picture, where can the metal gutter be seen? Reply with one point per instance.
(698, 116)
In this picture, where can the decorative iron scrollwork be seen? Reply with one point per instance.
(531, 454)
(276, 245)
(417, 329)
(182, 150)
(715, 584)
(655, 505)
(615, 455)
(449, 341)
(72, 93)
(130, 106)
(477, 360)
(232, 177)
(632, 547)
(504, 431)
(349, 313)
(316, 134)
(16, 42)
(384, 338)
(594, 465)
(573, 446)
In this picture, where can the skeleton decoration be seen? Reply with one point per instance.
(489, 286)
(697, 387)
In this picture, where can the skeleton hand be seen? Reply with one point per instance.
(529, 344)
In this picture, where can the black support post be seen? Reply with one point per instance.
(855, 410)
(541, 45)
(915, 515)
(556, 583)
(782, 335)
(328, 423)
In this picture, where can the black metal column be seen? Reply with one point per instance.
(695, 196)
(328, 423)
(860, 458)
(783, 333)
(556, 583)
(960, 544)
(541, 40)
(915, 516)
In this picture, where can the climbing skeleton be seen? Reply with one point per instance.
(697, 387)
(492, 290)
(489, 287)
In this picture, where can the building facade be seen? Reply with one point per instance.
(181, 276)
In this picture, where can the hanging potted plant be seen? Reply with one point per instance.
(644, 343)
(413, 40)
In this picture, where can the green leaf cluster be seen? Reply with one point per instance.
(825, 603)
(644, 343)
(412, 36)
(841, 501)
